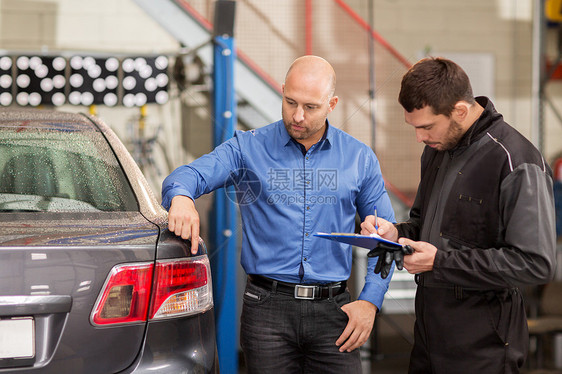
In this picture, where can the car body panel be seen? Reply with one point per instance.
(71, 259)
(53, 266)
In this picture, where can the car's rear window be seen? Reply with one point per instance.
(60, 169)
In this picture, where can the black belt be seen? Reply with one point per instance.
(427, 280)
(300, 291)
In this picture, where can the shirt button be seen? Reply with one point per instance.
(305, 258)
(306, 234)
(307, 208)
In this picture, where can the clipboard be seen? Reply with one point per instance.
(364, 241)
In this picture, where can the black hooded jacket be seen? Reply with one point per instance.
(488, 207)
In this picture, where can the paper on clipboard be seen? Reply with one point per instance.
(364, 241)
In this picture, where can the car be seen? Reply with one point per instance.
(91, 279)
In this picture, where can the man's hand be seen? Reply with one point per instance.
(183, 220)
(361, 315)
(386, 229)
(423, 257)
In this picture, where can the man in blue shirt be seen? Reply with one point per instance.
(294, 178)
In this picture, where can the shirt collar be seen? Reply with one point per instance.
(287, 139)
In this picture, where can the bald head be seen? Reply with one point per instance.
(315, 69)
(308, 98)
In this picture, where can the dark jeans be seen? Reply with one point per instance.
(281, 334)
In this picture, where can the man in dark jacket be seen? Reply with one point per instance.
(481, 226)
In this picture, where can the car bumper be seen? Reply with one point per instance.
(181, 345)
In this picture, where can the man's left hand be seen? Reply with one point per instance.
(423, 257)
(361, 315)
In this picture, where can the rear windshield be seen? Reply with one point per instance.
(60, 169)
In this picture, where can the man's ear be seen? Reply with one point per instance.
(460, 111)
(332, 103)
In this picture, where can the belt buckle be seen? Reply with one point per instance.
(305, 292)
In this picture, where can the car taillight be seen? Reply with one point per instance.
(125, 295)
(179, 287)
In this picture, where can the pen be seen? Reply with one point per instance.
(376, 221)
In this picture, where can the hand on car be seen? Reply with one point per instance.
(361, 315)
(183, 220)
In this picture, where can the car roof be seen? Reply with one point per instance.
(45, 119)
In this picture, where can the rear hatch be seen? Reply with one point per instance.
(53, 267)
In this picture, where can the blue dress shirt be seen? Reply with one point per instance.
(286, 196)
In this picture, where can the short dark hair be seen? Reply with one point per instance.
(435, 82)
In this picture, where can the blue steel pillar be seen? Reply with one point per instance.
(224, 260)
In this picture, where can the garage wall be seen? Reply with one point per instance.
(500, 29)
(100, 25)
(272, 33)
(106, 27)
(496, 32)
